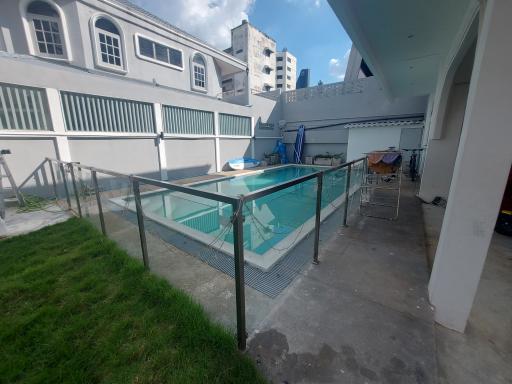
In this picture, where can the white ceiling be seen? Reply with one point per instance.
(403, 41)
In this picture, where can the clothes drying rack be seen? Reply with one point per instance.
(380, 189)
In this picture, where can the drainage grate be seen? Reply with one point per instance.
(270, 283)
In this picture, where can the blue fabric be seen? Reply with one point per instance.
(391, 158)
(281, 150)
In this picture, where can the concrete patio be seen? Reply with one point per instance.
(362, 315)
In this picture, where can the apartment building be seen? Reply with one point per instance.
(286, 70)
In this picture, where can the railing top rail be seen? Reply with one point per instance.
(158, 183)
(287, 184)
(213, 195)
(108, 172)
(190, 190)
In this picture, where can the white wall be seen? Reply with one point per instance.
(187, 158)
(26, 155)
(313, 110)
(364, 140)
(122, 155)
(233, 148)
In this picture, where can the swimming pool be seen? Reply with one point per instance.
(273, 224)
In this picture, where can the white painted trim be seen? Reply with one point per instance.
(218, 166)
(233, 137)
(159, 128)
(154, 61)
(23, 4)
(75, 134)
(129, 135)
(97, 60)
(192, 74)
(57, 119)
(7, 39)
(188, 136)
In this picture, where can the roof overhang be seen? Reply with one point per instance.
(227, 68)
(405, 42)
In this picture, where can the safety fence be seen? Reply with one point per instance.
(131, 209)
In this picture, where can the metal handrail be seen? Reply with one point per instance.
(193, 191)
(290, 183)
(237, 219)
(158, 183)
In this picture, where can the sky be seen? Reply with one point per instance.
(308, 28)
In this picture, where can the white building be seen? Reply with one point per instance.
(105, 82)
(116, 38)
(258, 50)
(286, 70)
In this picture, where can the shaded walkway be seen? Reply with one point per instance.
(360, 316)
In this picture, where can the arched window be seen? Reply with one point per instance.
(199, 76)
(108, 43)
(46, 29)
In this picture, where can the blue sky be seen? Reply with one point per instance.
(308, 28)
(310, 31)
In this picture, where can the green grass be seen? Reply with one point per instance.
(75, 308)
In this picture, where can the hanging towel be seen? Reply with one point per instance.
(375, 157)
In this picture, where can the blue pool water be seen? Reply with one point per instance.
(268, 220)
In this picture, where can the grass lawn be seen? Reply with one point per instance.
(75, 308)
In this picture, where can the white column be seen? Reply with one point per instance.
(218, 167)
(481, 169)
(159, 127)
(57, 118)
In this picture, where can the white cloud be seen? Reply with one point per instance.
(209, 20)
(338, 67)
(307, 3)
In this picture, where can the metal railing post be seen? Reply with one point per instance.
(238, 237)
(140, 222)
(347, 195)
(98, 201)
(317, 216)
(64, 181)
(54, 180)
(77, 193)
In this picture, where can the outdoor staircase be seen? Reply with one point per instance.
(8, 196)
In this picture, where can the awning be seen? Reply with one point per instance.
(385, 123)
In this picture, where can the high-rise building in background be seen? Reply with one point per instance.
(303, 80)
(267, 69)
(286, 70)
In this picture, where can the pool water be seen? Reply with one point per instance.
(268, 220)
